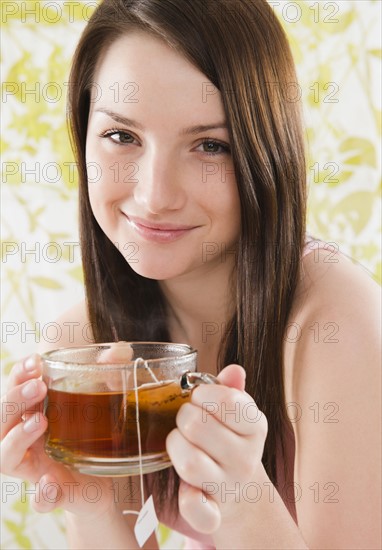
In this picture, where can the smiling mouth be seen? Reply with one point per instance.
(160, 233)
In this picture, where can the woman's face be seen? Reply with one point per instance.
(161, 181)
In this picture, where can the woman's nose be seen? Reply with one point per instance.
(159, 184)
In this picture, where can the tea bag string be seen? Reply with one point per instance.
(137, 362)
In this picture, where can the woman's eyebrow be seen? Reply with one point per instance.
(202, 128)
(119, 118)
(186, 131)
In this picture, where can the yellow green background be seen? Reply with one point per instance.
(337, 50)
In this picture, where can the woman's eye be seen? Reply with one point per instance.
(214, 147)
(118, 136)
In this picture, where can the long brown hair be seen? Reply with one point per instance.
(241, 48)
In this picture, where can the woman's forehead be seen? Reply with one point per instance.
(140, 68)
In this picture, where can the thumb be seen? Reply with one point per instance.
(233, 376)
(47, 495)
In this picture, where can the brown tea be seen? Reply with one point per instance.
(104, 425)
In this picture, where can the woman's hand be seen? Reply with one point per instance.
(22, 450)
(216, 450)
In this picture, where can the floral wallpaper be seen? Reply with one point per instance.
(337, 50)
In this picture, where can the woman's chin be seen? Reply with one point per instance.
(156, 272)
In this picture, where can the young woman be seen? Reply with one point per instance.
(194, 231)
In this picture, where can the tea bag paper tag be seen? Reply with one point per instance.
(146, 523)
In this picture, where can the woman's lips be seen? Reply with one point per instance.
(158, 232)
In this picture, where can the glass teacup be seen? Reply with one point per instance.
(110, 407)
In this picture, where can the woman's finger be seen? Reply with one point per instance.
(78, 494)
(191, 463)
(223, 446)
(198, 509)
(20, 400)
(234, 408)
(29, 367)
(118, 352)
(47, 495)
(16, 444)
(233, 376)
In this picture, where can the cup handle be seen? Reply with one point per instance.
(189, 380)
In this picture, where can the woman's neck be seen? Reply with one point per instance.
(199, 308)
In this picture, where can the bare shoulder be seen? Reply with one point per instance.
(336, 300)
(333, 378)
(74, 329)
(326, 275)
(335, 327)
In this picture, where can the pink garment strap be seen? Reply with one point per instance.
(311, 244)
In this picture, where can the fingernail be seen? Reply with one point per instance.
(30, 390)
(30, 363)
(32, 424)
